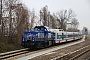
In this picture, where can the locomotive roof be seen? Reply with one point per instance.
(42, 26)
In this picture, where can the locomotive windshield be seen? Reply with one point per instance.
(38, 28)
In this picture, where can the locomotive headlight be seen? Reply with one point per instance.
(33, 40)
(23, 39)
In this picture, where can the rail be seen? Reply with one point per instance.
(12, 53)
(73, 55)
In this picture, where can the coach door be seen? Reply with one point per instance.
(62, 36)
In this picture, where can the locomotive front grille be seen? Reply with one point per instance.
(39, 39)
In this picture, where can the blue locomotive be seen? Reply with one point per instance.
(38, 38)
(42, 37)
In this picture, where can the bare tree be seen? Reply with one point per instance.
(32, 18)
(6, 15)
(17, 16)
(75, 24)
(22, 16)
(45, 15)
(52, 22)
(64, 16)
(22, 20)
(10, 6)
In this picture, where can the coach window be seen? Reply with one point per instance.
(59, 30)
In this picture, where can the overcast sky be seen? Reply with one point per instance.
(80, 7)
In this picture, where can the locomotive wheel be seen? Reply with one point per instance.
(50, 43)
(53, 43)
(46, 44)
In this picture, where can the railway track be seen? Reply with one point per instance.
(12, 54)
(21, 53)
(73, 55)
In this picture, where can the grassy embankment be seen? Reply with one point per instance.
(7, 44)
